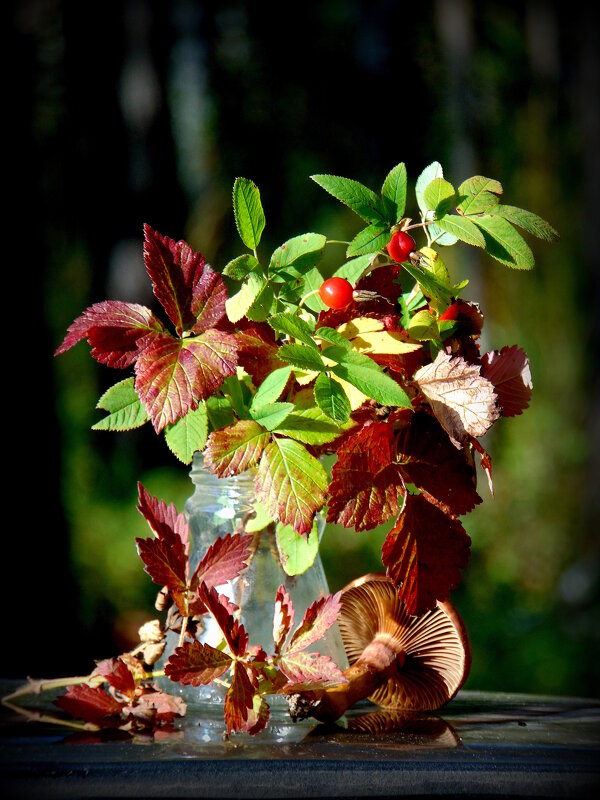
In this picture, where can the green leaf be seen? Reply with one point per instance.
(260, 521)
(272, 415)
(369, 240)
(462, 229)
(394, 192)
(308, 424)
(271, 388)
(355, 195)
(478, 194)
(333, 337)
(431, 285)
(430, 173)
(353, 270)
(188, 434)
(238, 306)
(291, 484)
(248, 211)
(260, 309)
(504, 243)
(301, 252)
(301, 356)
(439, 196)
(293, 326)
(368, 377)
(423, 326)
(312, 281)
(219, 412)
(126, 410)
(240, 267)
(296, 553)
(527, 220)
(331, 398)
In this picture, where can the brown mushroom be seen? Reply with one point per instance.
(397, 660)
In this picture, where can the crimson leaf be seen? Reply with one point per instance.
(239, 701)
(509, 371)
(164, 520)
(118, 675)
(442, 550)
(319, 617)
(283, 617)
(301, 667)
(219, 608)
(366, 481)
(224, 560)
(91, 704)
(195, 663)
(234, 449)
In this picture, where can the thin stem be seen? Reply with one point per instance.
(336, 241)
(306, 296)
(183, 630)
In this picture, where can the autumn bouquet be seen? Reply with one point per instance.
(266, 365)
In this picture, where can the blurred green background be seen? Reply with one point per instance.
(135, 112)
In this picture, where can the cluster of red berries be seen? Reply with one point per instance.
(338, 292)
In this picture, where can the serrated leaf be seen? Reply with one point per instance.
(234, 449)
(333, 336)
(188, 434)
(439, 196)
(478, 194)
(240, 267)
(355, 195)
(164, 520)
(509, 372)
(115, 331)
(293, 326)
(431, 286)
(462, 229)
(367, 487)
(224, 560)
(367, 376)
(165, 560)
(423, 326)
(260, 309)
(310, 668)
(369, 240)
(308, 424)
(302, 356)
(192, 294)
(318, 618)
(331, 398)
(125, 407)
(91, 704)
(272, 415)
(394, 192)
(218, 607)
(117, 674)
(219, 412)
(442, 550)
(462, 400)
(197, 664)
(353, 269)
(238, 305)
(283, 617)
(271, 388)
(301, 252)
(248, 211)
(239, 700)
(174, 375)
(430, 173)
(296, 552)
(291, 484)
(311, 282)
(527, 220)
(504, 243)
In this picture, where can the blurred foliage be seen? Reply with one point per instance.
(145, 112)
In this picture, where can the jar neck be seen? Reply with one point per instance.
(208, 483)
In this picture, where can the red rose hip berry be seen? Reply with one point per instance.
(401, 246)
(336, 293)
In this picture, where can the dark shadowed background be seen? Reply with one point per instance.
(134, 112)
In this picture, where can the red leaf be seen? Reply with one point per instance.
(509, 371)
(319, 617)
(310, 668)
(442, 550)
(162, 518)
(257, 350)
(195, 663)
(192, 294)
(258, 716)
(163, 707)
(224, 560)
(118, 675)
(239, 701)
(431, 462)
(166, 563)
(173, 375)
(115, 331)
(91, 704)
(283, 617)
(218, 606)
(234, 449)
(366, 482)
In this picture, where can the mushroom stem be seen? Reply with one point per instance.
(377, 662)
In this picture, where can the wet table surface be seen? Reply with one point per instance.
(480, 745)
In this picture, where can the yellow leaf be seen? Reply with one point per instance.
(383, 343)
(360, 325)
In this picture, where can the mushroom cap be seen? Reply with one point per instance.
(435, 646)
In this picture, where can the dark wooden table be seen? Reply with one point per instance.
(480, 745)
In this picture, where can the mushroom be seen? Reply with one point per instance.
(397, 660)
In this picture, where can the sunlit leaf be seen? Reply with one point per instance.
(509, 372)
(394, 192)
(197, 664)
(283, 617)
(296, 552)
(126, 411)
(188, 434)
(318, 618)
(248, 211)
(310, 668)
(331, 398)
(355, 195)
(503, 242)
(234, 449)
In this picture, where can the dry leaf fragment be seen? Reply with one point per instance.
(462, 400)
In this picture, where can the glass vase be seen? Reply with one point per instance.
(219, 506)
